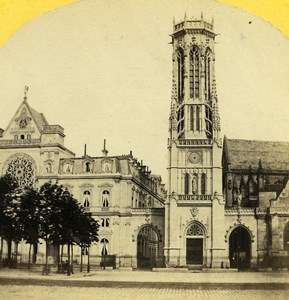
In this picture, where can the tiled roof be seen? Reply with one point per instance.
(243, 153)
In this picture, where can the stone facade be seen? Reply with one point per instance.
(120, 192)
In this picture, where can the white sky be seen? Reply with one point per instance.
(102, 69)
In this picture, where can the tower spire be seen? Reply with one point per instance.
(26, 88)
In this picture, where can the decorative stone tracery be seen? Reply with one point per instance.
(22, 168)
(195, 230)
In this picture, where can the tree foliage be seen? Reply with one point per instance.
(50, 214)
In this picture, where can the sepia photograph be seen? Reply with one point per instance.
(144, 150)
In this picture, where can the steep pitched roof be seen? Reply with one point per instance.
(240, 154)
(39, 118)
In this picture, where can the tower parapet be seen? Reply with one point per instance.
(195, 25)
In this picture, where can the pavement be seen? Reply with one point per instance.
(264, 279)
(143, 285)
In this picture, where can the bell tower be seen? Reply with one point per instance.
(195, 206)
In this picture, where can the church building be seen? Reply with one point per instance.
(226, 203)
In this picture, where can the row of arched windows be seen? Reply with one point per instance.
(105, 198)
(104, 222)
(22, 137)
(191, 184)
(194, 73)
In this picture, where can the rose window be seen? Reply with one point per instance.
(195, 230)
(21, 168)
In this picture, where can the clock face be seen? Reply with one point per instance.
(195, 157)
(23, 123)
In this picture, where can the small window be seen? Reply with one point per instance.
(104, 222)
(15, 137)
(22, 136)
(104, 250)
(105, 198)
(48, 167)
(86, 199)
(28, 136)
(87, 167)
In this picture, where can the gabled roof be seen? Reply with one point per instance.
(240, 154)
(37, 117)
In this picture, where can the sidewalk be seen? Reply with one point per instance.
(148, 276)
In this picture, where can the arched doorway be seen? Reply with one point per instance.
(147, 247)
(195, 244)
(240, 248)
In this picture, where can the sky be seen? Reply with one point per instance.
(103, 70)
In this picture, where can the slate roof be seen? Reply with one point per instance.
(39, 118)
(240, 154)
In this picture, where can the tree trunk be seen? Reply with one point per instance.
(58, 258)
(16, 251)
(61, 254)
(88, 263)
(46, 258)
(71, 259)
(1, 249)
(81, 257)
(9, 250)
(29, 256)
(68, 259)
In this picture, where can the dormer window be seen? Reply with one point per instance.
(87, 166)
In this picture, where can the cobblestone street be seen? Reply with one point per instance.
(52, 292)
(144, 285)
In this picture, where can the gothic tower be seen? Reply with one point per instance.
(195, 206)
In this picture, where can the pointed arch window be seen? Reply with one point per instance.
(194, 72)
(198, 121)
(203, 184)
(192, 127)
(195, 185)
(208, 74)
(187, 178)
(180, 87)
